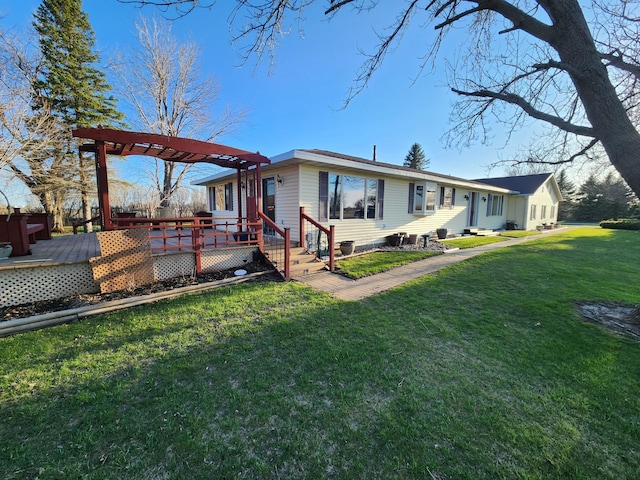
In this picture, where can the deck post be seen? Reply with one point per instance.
(287, 253)
(332, 253)
(196, 236)
(302, 242)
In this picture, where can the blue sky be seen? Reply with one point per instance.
(299, 105)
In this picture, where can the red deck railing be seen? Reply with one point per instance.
(311, 238)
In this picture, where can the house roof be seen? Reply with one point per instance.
(523, 184)
(328, 159)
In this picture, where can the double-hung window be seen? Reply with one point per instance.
(422, 198)
(221, 197)
(494, 205)
(447, 197)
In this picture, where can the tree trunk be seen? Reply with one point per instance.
(606, 113)
(167, 184)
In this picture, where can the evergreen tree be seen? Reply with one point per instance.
(568, 191)
(416, 158)
(603, 199)
(74, 89)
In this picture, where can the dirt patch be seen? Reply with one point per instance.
(82, 300)
(618, 317)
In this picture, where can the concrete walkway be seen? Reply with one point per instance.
(347, 289)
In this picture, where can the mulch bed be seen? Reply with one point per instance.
(82, 300)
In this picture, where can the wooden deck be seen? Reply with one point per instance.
(80, 248)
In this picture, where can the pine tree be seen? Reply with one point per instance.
(416, 158)
(568, 191)
(74, 88)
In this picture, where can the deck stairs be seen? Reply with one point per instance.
(481, 232)
(305, 263)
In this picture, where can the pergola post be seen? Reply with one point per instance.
(103, 186)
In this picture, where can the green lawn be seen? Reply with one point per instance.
(473, 241)
(519, 233)
(376, 262)
(481, 371)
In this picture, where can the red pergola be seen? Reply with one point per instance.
(174, 149)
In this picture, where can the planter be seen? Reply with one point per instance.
(5, 250)
(346, 247)
(413, 239)
(442, 233)
(394, 240)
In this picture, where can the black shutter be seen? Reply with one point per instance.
(411, 188)
(453, 197)
(380, 199)
(323, 200)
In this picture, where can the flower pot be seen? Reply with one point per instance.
(346, 247)
(413, 239)
(394, 240)
(5, 250)
(442, 233)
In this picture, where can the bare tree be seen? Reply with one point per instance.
(163, 83)
(30, 140)
(523, 59)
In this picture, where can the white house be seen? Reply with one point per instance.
(533, 201)
(367, 200)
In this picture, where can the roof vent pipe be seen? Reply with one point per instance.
(374, 154)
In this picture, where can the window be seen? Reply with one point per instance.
(350, 197)
(494, 205)
(447, 197)
(552, 215)
(532, 214)
(221, 197)
(422, 198)
(543, 211)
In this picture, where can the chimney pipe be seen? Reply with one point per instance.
(374, 154)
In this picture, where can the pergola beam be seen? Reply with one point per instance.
(173, 149)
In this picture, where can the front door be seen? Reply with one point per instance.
(269, 198)
(473, 209)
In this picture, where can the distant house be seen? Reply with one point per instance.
(366, 200)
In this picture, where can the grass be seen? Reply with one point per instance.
(376, 262)
(473, 241)
(519, 233)
(483, 370)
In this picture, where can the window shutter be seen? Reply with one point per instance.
(380, 198)
(323, 200)
(411, 188)
(441, 197)
(453, 197)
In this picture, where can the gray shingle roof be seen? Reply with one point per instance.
(525, 184)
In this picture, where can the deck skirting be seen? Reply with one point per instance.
(32, 283)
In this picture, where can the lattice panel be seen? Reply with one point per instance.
(125, 260)
(226, 258)
(24, 285)
(174, 265)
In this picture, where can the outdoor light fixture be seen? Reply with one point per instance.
(279, 179)
(484, 199)
(466, 197)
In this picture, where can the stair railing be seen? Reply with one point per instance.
(310, 238)
(276, 245)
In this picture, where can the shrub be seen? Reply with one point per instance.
(622, 224)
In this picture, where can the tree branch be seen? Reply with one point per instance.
(530, 110)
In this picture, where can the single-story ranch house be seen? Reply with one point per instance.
(367, 200)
